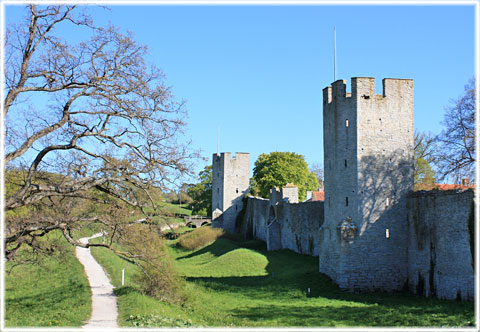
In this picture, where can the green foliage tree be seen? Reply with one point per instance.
(424, 173)
(279, 168)
(424, 158)
(201, 193)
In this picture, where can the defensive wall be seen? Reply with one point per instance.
(368, 156)
(282, 222)
(440, 244)
(230, 182)
(371, 233)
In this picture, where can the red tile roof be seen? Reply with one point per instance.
(443, 186)
(317, 196)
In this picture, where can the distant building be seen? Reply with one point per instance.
(316, 196)
(444, 186)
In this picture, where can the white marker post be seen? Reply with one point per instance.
(123, 276)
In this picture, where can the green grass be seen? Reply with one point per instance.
(167, 209)
(52, 292)
(235, 283)
(129, 298)
(176, 208)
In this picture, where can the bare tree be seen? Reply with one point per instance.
(90, 127)
(317, 169)
(456, 157)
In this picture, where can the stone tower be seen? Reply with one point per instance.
(368, 160)
(231, 181)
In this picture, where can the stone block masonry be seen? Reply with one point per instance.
(281, 224)
(440, 262)
(371, 233)
(230, 182)
(368, 156)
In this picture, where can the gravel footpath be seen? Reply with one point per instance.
(104, 302)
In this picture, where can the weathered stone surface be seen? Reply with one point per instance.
(368, 153)
(371, 233)
(283, 225)
(230, 183)
(439, 248)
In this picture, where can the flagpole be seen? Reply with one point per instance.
(334, 54)
(218, 140)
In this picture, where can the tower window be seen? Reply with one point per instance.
(346, 201)
(346, 123)
(218, 191)
(345, 163)
(236, 190)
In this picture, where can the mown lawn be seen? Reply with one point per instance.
(239, 283)
(52, 292)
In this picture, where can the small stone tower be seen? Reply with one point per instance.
(368, 160)
(231, 181)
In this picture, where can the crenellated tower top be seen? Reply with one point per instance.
(364, 87)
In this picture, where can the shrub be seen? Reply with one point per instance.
(158, 278)
(200, 237)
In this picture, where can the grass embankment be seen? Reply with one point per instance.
(52, 292)
(168, 211)
(200, 237)
(239, 283)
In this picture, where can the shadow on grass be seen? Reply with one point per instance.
(125, 290)
(217, 248)
(46, 298)
(289, 277)
(311, 315)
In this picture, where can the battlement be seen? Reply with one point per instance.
(364, 87)
(228, 155)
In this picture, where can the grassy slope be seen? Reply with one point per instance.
(130, 300)
(166, 208)
(241, 284)
(176, 208)
(54, 293)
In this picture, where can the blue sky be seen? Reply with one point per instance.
(257, 72)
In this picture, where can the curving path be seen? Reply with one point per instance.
(104, 302)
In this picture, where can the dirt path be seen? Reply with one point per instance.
(104, 302)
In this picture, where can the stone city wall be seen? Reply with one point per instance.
(283, 225)
(439, 253)
(439, 248)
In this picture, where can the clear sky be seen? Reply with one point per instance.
(257, 72)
